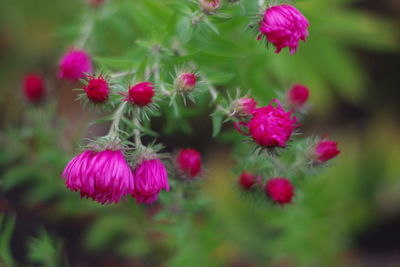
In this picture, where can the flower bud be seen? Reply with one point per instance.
(186, 82)
(297, 96)
(326, 150)
(209, 6)
(34, 89)
(189, 162)
(247, 180)
(97, 89)
(140, 94)
(243, 107)
(74, 64)
(280, 190)
(95, 3)
(283, 26)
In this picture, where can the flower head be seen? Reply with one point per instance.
(140, 94)
(297, 96)
(209, 6)
(74, 64)
(326, 150)
(243, 107)
(280, 190)
(247, 180)
(189, 162)
(283, 26)
(150, 176)
(104, 176)
(186, 82)
(34, 88)
(97, 89)
(271, 126)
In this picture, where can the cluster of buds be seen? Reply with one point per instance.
(272, 127)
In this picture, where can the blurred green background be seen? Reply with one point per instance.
(349, 215)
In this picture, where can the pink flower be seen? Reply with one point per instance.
(271, 126)
(186, 82)
(34, 88)
(247, 180)
(297, 96)
(104, 176)
(189, 162)
(280, 190)
(74, 64)
(95, 3)
(243, 107)
(140, 94)
(326, 150)
(283, 26)
(209, 6)
(97, 89)
(150, 176)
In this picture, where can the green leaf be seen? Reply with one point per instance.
(216, 122)
(6, 231)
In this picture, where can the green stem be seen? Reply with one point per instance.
(114, 128)
(136, 125)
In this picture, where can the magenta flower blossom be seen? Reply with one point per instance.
(297, 96)
(189, 162)
(140, 94)
(270, 126)
(150, 176)
(209, 6)
(244, 106)
(283, 26)
(74, 64)
(326, 150)
(186, 82)
(97, 89)
(280, 190)
(247, 180)
(34, 88)
(104, 176)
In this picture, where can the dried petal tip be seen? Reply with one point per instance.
(280, 190)
(189, 162)
(141, 94)
(297, 96)
(247, 180)
(97, 89)
(186, 82)
(243, 107)
(326, 150)
(74, 64)
(104, 176)
(150, 176)
(34, 89)
(209, 6)
(283, 26)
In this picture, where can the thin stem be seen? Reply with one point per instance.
(276, 162)
(114, 128)
(122, 74)
(157, 78)
(85, 33)
(136, 125)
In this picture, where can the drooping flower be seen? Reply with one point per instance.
(326, 150)
(209, 6)
(34, 89)
(150, 176)
(186, 82)
(297, 96)
(271, 126)
(280, 190)
(140, 94)
(189, 162)
(97, 89)
(247, 180)
(104, 176)
(283, 26)
(243, 107)
(74, 64)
